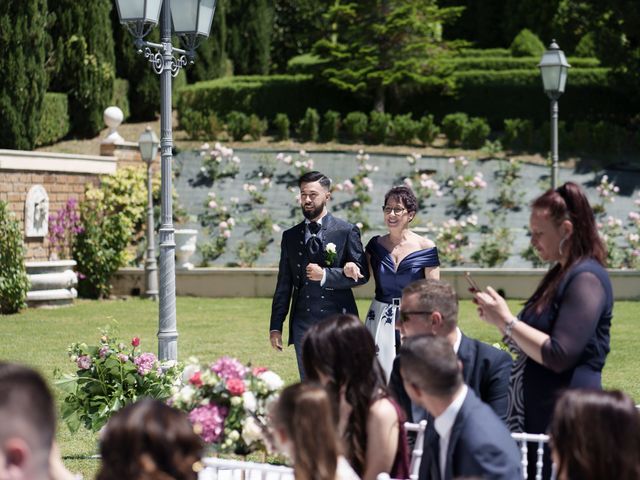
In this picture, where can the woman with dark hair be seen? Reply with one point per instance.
(561, 336)
(339, 353)
(596, 435)
(303, 427)
(149, 440)
(396, 259)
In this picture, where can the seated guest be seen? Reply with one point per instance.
(302, 421)
(340, 353)
(149, 440)
(27, 427)
(431, 307)
(472, 439)
(595, 435)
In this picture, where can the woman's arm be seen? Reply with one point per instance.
(383, 431)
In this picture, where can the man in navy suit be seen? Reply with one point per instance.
(311, 284)
(469, 439)
(431, 307)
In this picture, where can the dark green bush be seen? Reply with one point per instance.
(120, 96)
(453, 126)
(598, 137)
(196, 124)
(526, 44)
(518, 134)
(54, 123)
(404, 130)
(428, 130)
(237, 125)
(355, 126)
(586, 47)
(330, 127)
(14, 283)
(380, 126)
(475, 133)
(307, 63)
(309, 126)
(282, 125)
(257, 126)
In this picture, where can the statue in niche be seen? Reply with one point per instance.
(36, 215)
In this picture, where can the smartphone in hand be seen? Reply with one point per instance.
(472, 283)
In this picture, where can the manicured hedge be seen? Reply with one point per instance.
(54, 122)
(484, 52)
(512, 63)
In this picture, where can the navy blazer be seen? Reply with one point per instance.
(335, 295)
(480, 445)
(485, 369)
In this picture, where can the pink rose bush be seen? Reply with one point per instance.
(227, 402)
(109, 376)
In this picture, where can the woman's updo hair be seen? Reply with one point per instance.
(404, 195)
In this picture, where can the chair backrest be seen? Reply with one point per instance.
(223, 469)
(523, 439)
(418, 447)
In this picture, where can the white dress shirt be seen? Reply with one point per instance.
(444, 424)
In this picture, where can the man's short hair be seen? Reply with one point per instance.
(315, 176)
(26, 408)
(436, 295)
(429, 362)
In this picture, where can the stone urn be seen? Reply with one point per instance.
(185, 247)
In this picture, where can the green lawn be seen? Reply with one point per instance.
(210, 328)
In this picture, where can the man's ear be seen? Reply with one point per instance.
(437, 322)
(16, 453)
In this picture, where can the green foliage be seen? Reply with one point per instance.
(307, 64)
(510, 192)
(453, 126)
(22, 90)
(261, 223)
(380, 126)
(308, 127)
(330, 127)
(14, 283)
(110, 376)
(212, 59)
(483, 52)
(84, 61)
(54, 123)
(237, 125)
(511, 63)
(586, 46)
(405, 129)
(518, 133)
(475, 133)
(526, 44)
(428, 130)
(494, 248)
(390, 52)
(257, 126)
(355, 125)
(282, 126)
(121, 96)
(250, 29)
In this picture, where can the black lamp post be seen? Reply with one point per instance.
(192, 21)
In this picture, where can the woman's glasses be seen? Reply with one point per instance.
(395, 210)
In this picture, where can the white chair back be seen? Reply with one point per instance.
(523, 439)
(418, 447)
(223, 469)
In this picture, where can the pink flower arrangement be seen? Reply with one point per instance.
(145, 363)
(226, 402)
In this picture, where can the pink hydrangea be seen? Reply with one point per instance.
(235, 386)
(84, 362)
(145, 363)
(209, 419)
(228, 368)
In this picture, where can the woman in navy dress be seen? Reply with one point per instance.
(396, 259)
(561, 336)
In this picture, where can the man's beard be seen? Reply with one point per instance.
(315, 213)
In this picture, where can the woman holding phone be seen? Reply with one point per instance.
(561, 336)
(396, 259)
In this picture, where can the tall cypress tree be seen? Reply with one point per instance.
(24, 82)
(250, 27)
(211, 55)
(84, 60)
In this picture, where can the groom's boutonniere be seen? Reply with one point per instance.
(330, 253)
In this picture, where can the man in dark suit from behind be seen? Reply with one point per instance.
(311, 283)
(431, 307)
(470, 439)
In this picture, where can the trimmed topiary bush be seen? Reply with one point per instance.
(355, 126)
(195, 123)
(330, 127)
(237, 125)
(257, 127)
(453, 126)
(380, 126)
(404, 130)
(282, 126)
(54, 123)
(309, 126)
(518, 134)
(14, 283)
(475, 133)
(527, 44)
(428, 130)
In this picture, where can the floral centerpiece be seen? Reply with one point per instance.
(109, 376)
(227, 403)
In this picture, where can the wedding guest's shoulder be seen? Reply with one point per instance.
(425, 242)
(383, 409)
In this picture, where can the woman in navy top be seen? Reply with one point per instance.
(396, 259)
(562, 334)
